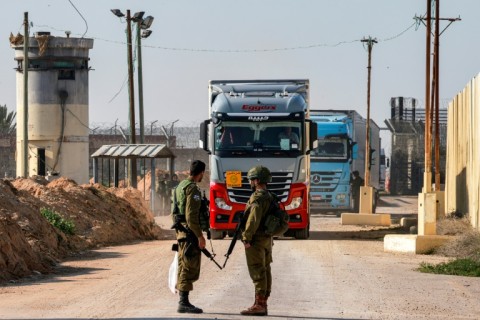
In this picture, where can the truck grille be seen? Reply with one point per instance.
(324, 181)
(280, 185)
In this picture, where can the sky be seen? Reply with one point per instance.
(194, 41)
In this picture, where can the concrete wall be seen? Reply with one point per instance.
(462, 189)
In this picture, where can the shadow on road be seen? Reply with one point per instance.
(355, 235)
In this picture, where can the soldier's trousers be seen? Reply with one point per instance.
(189, 259)
(259, 257)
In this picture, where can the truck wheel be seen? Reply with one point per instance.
(216, 235)
(303, 233)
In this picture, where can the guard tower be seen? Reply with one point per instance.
(57, 106)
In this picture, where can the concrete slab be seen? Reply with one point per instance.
(413, 243)
(408, 222)
(370, 219)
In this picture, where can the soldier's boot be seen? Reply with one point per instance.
(259, 307)
(184, 306)
(266, 306)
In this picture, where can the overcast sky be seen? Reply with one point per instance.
(194, 41)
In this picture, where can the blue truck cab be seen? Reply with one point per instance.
(341, 140)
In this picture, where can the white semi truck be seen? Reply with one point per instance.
(247, 126)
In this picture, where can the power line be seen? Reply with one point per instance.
(259, 50)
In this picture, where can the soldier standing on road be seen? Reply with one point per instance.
(356, 182)
(189, 199)
(258, 245)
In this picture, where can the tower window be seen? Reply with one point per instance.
(66, 74)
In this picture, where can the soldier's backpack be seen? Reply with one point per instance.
(276, 219)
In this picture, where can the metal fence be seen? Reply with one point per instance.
(407, 163)
(184, 147)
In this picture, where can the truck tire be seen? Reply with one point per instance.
(303, 233)
(216, 234)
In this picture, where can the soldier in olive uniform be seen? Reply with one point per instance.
(356, 182)
(258, 245)
(189, 199)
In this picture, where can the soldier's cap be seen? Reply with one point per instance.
(197, 167)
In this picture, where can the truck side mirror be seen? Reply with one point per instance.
(313, 134)
(203, 142)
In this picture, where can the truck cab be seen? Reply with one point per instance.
(340, 150)
(258, 122)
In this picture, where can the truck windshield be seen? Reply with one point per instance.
(331, 148)
(282, 137)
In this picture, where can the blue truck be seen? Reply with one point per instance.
(341, 150)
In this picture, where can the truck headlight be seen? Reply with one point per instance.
(296, 203)
(341, 196)
(221, 204)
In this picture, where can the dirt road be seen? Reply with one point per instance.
(341, 272)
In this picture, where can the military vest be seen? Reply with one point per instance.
(179, 197)
(179, 202)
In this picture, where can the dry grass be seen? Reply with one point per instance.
(467, 240)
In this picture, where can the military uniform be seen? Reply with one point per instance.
(259, 255)
(258, 245)
(189, 256)
(356, 183)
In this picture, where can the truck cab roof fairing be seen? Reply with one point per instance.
(225, 103)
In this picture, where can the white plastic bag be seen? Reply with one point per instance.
(172, 274)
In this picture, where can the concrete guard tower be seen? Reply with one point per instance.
(57, 106)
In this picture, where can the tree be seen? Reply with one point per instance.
(7, 121)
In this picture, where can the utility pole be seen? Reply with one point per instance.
(132, 168)
(365, 214)
(431, 204)
(142, 25)
(370, 42)
(437, 94)
(25, 95)
(133, 162)
(145, 23)
(432, 93)
(427, 176)
(140, 82)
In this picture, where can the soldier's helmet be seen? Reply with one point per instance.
(261, 173)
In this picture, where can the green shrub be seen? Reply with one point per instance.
(459, 267)
(64, 225)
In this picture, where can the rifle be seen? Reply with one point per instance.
(193, 240)
(205, 216)
(236, 235)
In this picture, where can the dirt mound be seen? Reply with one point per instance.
(101, 216)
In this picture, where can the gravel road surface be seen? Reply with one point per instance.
(341, 272)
